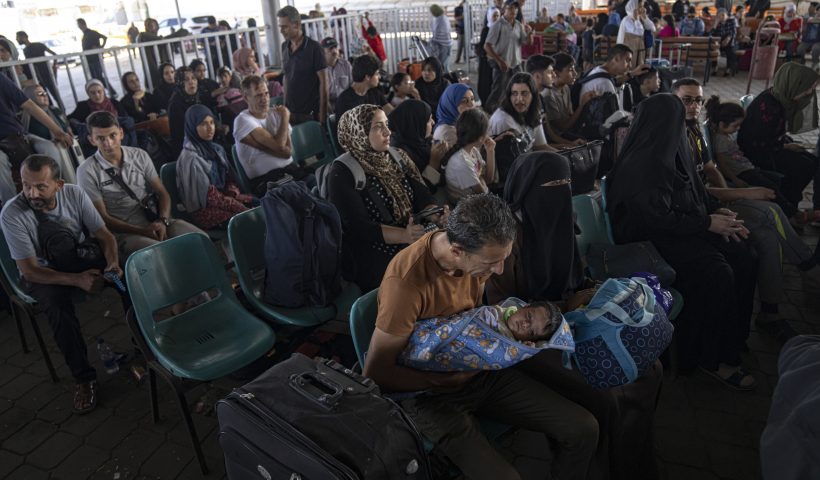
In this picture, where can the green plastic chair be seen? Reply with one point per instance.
(332, 125)
(363, 324)
(308, 140)
(746, 100)
(241, 177)
(607, 221)
(206, 342)
(590, 220)
(22, 305)
(279, 100)
(246, 237)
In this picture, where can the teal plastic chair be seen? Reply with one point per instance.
(363, 324)
(746, 100)
(279, 100)
(206, 342)
(168, 175)
(332, 125)
(241, 177)
(607, 222)
(589, 217)
(22, 305)
(309, 144)
(246, 237)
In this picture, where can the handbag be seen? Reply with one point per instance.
(149, 203)
(620, 334)
(605, 261)
(583, 161)
(507, 149)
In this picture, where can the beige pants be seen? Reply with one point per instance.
(636, 43)
(131, 242)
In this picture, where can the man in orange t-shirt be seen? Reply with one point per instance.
(441, 274)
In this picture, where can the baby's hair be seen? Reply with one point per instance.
(726, 112)
(552, 309)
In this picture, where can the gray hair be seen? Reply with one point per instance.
(36, 162)
(290, 13)
(481, 220)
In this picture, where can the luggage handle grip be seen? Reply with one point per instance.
(329, 399)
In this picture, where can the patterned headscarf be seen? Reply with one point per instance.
(354, 136)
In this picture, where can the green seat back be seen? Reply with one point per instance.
(590, 220)
(332, 133)
(241, 176)
(607, 221)
(363, 322)
(308, 140)
(279, 100)
(208, 340)
(11, 274)
(168, 175)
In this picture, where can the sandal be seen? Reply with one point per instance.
(735, 380)
(85, 397)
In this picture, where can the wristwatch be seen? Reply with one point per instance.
(166, 221)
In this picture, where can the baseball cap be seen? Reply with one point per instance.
(329, 42)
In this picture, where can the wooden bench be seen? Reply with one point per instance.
(698, 53)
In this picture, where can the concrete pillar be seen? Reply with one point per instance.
(272, 36)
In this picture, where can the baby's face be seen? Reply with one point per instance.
(531, 323)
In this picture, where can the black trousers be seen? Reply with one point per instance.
(58, 305)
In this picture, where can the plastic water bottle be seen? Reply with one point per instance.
(109, 359)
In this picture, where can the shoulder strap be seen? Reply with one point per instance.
(112, 172)
(355, 168)
(594, 76)
(396, 156)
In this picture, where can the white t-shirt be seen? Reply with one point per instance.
(463, 172)
(601, 85)
(501, 121)
(256, 162)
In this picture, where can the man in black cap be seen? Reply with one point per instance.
(340, 72)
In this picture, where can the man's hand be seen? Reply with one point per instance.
(580, 298)
(283, 112)
(794, 147)
(90, 280)
(62, 138)
(113, 267)
(453, 382)
(639, 70)
(727, 227)
(156, 230)
(758, 193)
(587, 97)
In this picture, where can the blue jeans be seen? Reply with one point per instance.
(442, 52)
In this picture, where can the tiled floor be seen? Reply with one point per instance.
(704, 431)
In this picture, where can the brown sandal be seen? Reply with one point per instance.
(85, 397)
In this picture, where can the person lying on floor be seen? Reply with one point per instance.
(489, 337)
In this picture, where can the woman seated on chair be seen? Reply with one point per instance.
(138, 103)
(97, 101)
(785, 107)
(545, 265)
(206, 187)
(654, 193)
(38, 95)
(162, 92)
(411, 124)
(456, 98)
(378, 221)
(244, 62)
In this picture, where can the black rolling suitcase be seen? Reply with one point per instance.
(308, 419)
(669, 75)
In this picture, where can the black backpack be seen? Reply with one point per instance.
(594, 115)
(61, 248)
(575, 89)
(303, 248)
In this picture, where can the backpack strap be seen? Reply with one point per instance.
(355, 168)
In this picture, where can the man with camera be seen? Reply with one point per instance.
(49, 228)
(124, 187)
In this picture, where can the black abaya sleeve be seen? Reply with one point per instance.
(656, 214)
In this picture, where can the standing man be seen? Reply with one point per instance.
(47, 198)
(119, 181)
(93, 40)
(151, 34)
(306, 84)
(44, 76)
(503, 47)
(340, 72)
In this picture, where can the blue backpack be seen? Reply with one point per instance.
(620, 334)
(303, 242)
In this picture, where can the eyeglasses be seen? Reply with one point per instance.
(692, 100)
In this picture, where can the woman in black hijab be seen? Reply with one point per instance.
(411, 124)
(432, 83)
(655, 194)
(165, 89)
(545, 265)
(185, 95)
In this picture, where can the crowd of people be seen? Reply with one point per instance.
(721, 209)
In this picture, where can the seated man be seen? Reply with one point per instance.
(46, 198)
(441, 274)
(262, 136)
(364, 89)
(123, 184)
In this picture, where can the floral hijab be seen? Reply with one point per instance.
(354, 132)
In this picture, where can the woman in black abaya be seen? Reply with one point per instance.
(655, 194)
(545, 265)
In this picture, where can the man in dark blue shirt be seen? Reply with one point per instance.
(93, 40)
(307, 89)
(44, 77)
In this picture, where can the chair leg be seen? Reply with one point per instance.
(16, 314)
(42, 343)
(186, 415)
(152, 394)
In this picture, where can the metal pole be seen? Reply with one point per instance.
(274, 38)
(179, 15)
(468, 35)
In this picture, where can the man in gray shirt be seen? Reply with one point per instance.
(503, 47)
(47, 198)
(340, 72)
(122, 210)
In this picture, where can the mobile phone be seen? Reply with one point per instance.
(115, 279)
(427, 213)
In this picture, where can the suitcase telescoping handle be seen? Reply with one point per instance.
(317, 387)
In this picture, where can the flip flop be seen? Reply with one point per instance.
(734, 380)
(85, 397)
